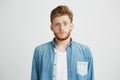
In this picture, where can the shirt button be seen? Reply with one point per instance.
(54, 76)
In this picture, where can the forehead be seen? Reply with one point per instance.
(63, 18)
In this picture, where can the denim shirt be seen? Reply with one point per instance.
(79, 62)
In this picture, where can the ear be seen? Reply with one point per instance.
(72, 25)
(51, 27)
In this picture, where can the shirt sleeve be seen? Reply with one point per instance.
(90, 65)
(35, 70)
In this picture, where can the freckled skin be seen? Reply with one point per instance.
(62, 27)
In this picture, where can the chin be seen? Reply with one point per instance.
(62, 38)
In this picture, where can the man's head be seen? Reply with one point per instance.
(61, 22)
(59, 11)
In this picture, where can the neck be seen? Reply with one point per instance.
(61, 45)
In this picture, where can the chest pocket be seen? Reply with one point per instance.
(82, 68)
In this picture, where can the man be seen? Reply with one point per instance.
(62, 58)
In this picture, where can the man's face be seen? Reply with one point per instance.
(62, 27)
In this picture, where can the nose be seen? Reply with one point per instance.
(61, 26)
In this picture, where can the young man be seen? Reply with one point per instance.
(62, 58)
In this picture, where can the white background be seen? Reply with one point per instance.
(24, 24)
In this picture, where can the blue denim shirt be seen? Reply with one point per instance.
(79, 62)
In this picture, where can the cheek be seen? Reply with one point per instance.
(54, 30)
(68, 29)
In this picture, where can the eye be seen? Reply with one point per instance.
(57, 24)
(65, 23)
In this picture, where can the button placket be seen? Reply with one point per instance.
(54, 72)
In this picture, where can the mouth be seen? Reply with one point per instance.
(62, 32)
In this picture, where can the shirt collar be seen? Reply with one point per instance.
(53, 42)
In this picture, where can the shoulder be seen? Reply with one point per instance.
(40, 49)
(43, 46)
(82, 47)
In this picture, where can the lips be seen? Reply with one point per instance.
(62, 33)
